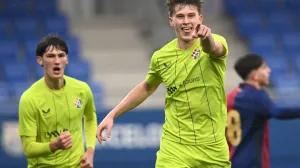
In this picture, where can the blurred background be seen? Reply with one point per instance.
(111, 43)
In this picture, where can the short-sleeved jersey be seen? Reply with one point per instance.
(45, 113)
(195, 102)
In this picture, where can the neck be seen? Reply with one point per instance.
(186, 44)
(54, 84)
(253, 83)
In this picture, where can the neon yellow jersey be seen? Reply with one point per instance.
(45, 113)
(195, 103)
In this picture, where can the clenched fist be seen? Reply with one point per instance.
(64, 141)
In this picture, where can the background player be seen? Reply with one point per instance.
(249, 108)
(51, 112)
(193, 70)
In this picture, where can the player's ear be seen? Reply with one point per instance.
(67, 61)
(40, 60)
(201, 18)
(171, 21)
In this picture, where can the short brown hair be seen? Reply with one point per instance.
(172, 3)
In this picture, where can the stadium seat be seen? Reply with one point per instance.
(262, 43)
(26, 27)
(15, 8)
(74, 47)
(78, 69)
(39, 71)
(58, 25)
(97, 93)
(291, 42)
(279, 67)
(16, 72)
(8, 50)
(18, 88)
(279, 22)
(4, 93)
(249, 24)
(46, 7)
(30, 50)
(4, 25)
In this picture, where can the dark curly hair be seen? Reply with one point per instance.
(172, 3)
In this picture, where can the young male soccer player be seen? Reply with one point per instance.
(192, 66)
(51, 112)
(249, 108)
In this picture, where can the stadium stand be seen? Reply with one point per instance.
(22, 24)
(271, 28)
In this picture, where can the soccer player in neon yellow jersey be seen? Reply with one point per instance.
(193, 67)
(51, 113)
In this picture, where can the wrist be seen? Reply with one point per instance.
(53, 146)
(90, 151)
(111, 115)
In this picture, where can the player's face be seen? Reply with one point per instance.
(262, 75)
(184, 20)
(54, 62)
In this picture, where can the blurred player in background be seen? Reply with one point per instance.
(51, 112)
(192, 66)
(249, 109)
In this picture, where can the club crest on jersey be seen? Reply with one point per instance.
(195, 53)
(78, 103)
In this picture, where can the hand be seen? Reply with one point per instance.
(107, 123)
(64, 141)
(87, 160)
(202, 32)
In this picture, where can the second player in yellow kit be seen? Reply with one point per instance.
(51, 112)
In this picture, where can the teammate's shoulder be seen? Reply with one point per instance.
(33, 90)
(170, 46)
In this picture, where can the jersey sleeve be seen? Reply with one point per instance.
(223, 41)
(153, 77)
(271, 110)
(27, 119)
(90, 119)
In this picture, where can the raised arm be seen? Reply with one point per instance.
(139, 94)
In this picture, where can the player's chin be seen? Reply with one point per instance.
(186, 38)
(57, 75)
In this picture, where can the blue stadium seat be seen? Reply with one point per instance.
(280, 22)
(297, 63)
(279, 67)
(236, 7)
(4, 93)
(291, 42)
(18, 88)
(74, 47)
(293, 4)
(262, 43)
(16, 72)
(268, 6)
(97, 93)
(8, 50)
(15, 8)
(30, 48)
(39, 71)
(4, 25)
(57, 25)
(46, 7)
(79, 70)
(249, 24)
(27, 27)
